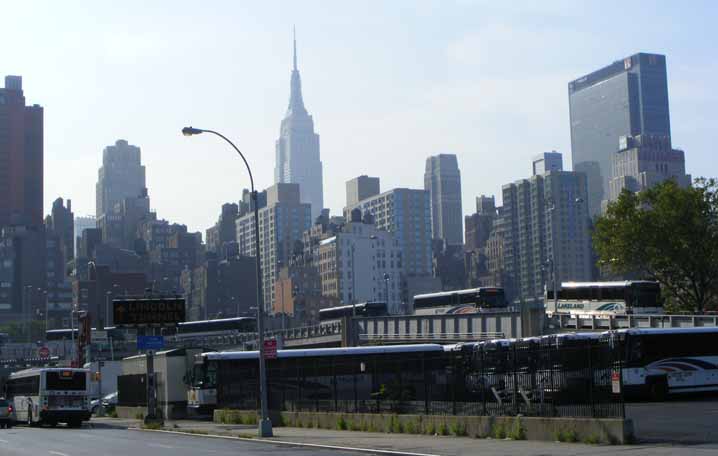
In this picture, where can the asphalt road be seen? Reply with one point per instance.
(105, 441)
(681, 420)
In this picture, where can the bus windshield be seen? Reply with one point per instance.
(65, 381)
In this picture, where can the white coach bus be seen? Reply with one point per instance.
(50, 396)
(606, 298)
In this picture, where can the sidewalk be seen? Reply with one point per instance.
(429, 445)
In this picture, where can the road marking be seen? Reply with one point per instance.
(4, 441)
(159, 445)
(57, 453)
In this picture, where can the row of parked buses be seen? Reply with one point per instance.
(656, 362)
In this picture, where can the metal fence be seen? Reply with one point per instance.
(539, 377)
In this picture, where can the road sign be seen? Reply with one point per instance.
(270, 349)
(150, 342)
(616, 382)
(44, 352)
(148, 311)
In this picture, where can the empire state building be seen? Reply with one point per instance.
(297, 149)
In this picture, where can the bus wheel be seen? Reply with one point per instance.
(74, 423)
(658, 390)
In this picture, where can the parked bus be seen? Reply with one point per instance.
(364, 309)
(606, 298)
(50, 396)
(323, 377)
(218, 327)
(670, 361)
(460, 301)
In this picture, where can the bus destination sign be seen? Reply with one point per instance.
(148, 311)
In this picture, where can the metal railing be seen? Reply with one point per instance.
(440, 337)
(608, 322)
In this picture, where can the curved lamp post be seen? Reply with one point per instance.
(265, 424)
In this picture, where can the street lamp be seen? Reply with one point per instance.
(265, 424)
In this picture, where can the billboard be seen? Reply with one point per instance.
(148, 311)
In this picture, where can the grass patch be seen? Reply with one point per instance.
(498, 431)
(431, 428)
(567, 435)
(592, 439)
(517, 430)
(395, 426)
(458, 429)
(139, 416)
(151, 426)
(443, 430)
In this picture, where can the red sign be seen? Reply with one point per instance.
(270, 349)
(44, 352)
(616, 382)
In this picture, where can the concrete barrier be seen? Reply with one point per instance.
(589, 430)
(131, 412)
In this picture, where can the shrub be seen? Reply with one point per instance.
(431, 428)
(592, 439)
(443, 430)
(410, 428)
(354, 426)
(152, 426)
(113, 414)
(517, 431)
(568, 435)
(139, 415)
(458, 429)
(395, 426)
(341, 424)
(498, 430)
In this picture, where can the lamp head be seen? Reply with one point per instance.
(190, 131)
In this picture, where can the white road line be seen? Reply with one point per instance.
(159, 445)
(57, 453)
(3, 441)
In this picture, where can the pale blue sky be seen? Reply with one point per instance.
(388, 84)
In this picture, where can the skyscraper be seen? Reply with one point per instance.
(297, 149)
(21, 157)
(644, 161)
(283, 221)
(545, 218)
(442, 180)
(121, 176)
(547, 161)
(626, 98)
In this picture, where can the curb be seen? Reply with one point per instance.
(287, 443)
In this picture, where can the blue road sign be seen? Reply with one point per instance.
(150, 342)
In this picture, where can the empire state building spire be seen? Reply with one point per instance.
(297, 148)
(296, 103)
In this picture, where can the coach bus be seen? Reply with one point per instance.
(218, 327)
(364, 309)
(460, 301)
(50, 396)
(670, 361)
(606, 298)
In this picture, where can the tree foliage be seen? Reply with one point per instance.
(668, 234)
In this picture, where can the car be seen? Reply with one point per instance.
(7, 414)
(107, 402)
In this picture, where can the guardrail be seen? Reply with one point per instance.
(441, 337)
(608, 322)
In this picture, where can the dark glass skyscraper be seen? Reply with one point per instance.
(626, 98)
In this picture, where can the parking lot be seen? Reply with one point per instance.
(687, 421)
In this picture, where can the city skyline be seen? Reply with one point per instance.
(456, 93)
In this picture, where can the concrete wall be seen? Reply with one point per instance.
(591, 430)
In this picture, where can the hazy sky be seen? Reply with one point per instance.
(388, 84)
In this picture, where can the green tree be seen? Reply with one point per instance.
(668, 234)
